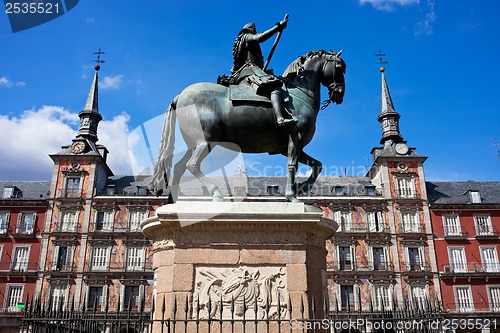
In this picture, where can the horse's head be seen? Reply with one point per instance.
(332, 76)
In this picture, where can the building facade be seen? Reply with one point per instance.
(22, 215)
(402, 242)
(466, 224)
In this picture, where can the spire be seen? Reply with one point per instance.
(90, 116)
(388, 118)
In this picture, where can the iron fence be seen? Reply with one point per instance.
(185, 315)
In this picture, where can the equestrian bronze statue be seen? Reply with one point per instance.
(240, 114)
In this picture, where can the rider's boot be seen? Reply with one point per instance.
(277, 102)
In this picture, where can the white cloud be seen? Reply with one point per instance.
(90, 20)
(114, 134)
(111, 82)
(6, 82)
(424, 27)
(27, 141)
(388, 5)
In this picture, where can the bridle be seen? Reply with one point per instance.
(333, 87)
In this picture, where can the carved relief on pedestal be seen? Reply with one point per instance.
(245, 286)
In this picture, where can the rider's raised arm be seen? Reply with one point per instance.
(263, 36)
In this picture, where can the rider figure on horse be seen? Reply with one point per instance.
(249, 63)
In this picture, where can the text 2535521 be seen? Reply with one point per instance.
(31, 8)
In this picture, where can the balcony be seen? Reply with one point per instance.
(469, 308)
(471, 269)
(66, 227)
(362, 228)
(24, 230)
(455, 234)
(412, 267)
(487, 233)
(18, 268)
(375, 266)
(121, 267)
(63, 268)
(406, 193)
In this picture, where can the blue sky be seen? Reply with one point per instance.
(442, 73)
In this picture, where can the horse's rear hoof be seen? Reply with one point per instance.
(217, 198)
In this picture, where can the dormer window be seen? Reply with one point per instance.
(273, 189)
(370, 190)
(110, 191)
(338, 190)
(474, 196)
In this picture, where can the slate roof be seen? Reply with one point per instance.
(30, 189)
(456, 192)
(251, 186)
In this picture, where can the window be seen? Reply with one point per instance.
(135, 219)
(370, 190)
(419, 296)
(345, 258)
(489, 256)
(379, 255)
(410, 222)
(406, 187)
(273, 190)
(14, 297)
(110, 191)
(135, 258)
(344, 220)
(346, 297)
(95, 298)
(100, 258)
(20, 259)
(463, 299)
(458, 260)
(69, 221)
(483, 224)
(414, 258)
(382, 297)
(104, 221)
(58, 296)
(132, 297)
(474, 197)
(339, 190)
(72, 185)
(494, 293)
(26, 223)
(451, 225)
(62, 259)
(375, 222)
(4, 222)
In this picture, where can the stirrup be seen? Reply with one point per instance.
(285, 122)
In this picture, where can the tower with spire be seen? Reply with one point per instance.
(398, 174)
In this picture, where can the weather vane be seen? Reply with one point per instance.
(98, 60)
(381, 61)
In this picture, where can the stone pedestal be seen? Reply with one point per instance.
(249, 253)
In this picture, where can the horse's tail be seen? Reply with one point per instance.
(166, 151)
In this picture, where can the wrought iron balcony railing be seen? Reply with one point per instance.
(18, 266)
(471, 268)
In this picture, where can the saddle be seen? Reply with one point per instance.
(242, 90)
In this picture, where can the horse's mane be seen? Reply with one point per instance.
(297, 65)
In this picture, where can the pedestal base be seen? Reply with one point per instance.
(261, 257)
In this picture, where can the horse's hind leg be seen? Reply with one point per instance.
(316, 168)
(179, 169)
(199, 153)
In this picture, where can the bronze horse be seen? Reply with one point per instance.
(207, 117)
